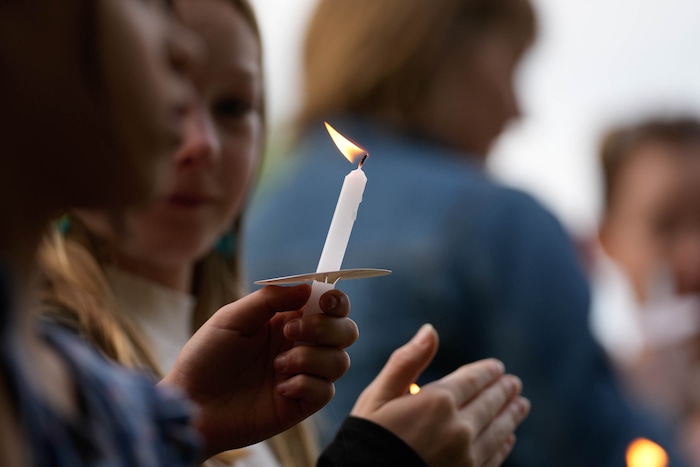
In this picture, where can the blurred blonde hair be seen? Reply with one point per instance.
(377, 58)
(75, 292)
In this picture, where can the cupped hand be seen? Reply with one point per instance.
(466, 418)
(247, 377)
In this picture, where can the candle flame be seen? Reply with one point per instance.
(645, 453)
(414, 389)
(350, 150)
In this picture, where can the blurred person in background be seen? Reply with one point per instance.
(646, 307)
(79, 128)
(426, 89)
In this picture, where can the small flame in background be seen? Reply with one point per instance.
(349, 149)
(414, 389)
(645, 453)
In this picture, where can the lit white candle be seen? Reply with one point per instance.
(343, 219)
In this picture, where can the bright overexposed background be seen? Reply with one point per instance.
(596, 62)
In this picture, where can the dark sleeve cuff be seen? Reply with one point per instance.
(360, 442)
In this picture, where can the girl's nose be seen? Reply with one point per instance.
(201, 144)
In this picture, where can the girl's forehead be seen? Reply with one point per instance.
(220, 24)
(232, 46)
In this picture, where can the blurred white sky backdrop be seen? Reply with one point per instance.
(595, 62)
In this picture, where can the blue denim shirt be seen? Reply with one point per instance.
(489, 267)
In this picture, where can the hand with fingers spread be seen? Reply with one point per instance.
(466, 418)
(246, 374)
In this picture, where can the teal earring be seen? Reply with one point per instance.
(63, 225)
(226, 245)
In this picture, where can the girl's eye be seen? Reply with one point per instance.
(231, 107)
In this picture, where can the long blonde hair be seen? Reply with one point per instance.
(377, 58)
(75, 292)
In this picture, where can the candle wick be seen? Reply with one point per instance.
(362, 161)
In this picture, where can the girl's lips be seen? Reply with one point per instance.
(188, 200)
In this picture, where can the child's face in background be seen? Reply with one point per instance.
(214, 167)
(652, 226)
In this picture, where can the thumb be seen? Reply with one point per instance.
(405, 365)
(248, 314)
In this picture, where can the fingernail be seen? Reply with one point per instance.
(520, 406)
(498, 368)
(517, 383)
(510, 383)
(422, 337)
(282, 388)
(294, 328)
(329, 302)
(523, 405)
(281, 363)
